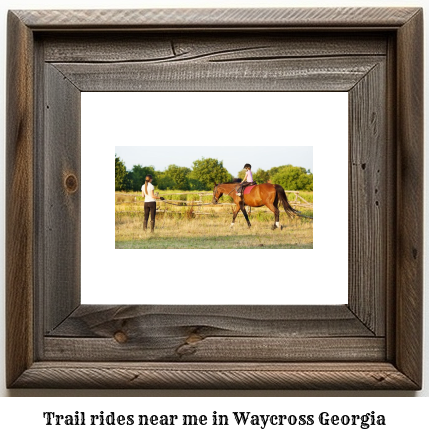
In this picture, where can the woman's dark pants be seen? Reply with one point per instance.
(149, 207)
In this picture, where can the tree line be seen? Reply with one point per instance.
(204, 174)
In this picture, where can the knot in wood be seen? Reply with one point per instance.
(71, 183)
(193, 337)
(120, 337)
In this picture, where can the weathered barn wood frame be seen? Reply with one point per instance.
(373, 342)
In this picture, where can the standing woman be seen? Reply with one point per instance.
(149, 203)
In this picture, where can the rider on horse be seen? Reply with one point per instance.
(248, 179)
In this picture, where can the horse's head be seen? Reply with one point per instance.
(216, 194)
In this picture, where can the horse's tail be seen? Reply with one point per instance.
(291, 212)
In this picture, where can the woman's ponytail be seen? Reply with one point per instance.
(147, 180)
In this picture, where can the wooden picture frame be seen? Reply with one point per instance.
(373, 342)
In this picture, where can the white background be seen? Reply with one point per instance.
(406, 415)
(111, 276)
(400, 415)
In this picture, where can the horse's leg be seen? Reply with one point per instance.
(275, 210)
(234, 215)
(243, 209)
(277, 213)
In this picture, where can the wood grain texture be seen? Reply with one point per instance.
(39, 200)
(213, 333)
(19, 200)
(99, 321)
(193, 348)
(331, 74)
(409, 253)
(61, 188)
(368, 203)
(208, 18)
(379, 376)
(173, 46)
(391, 192)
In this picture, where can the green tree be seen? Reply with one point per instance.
(194, 184)
(209, 172)
(274, 170)
(138, 175)
(164, 182)
(261, 176)
(121, 176)
(293, 178)
(179, 175)
(306, 181)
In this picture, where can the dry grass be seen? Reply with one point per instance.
(206, 227)
(208, 232)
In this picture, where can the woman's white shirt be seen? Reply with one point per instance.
(149, 196)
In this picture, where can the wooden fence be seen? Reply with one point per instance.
(297, 201)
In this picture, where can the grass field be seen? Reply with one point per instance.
(206, 227)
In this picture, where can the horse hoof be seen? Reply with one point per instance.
(273, 227)
(281, 227)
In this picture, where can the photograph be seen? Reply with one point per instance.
(212, 201)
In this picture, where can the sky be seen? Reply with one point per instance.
(234, 158)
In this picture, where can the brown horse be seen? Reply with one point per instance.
(265, 194)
